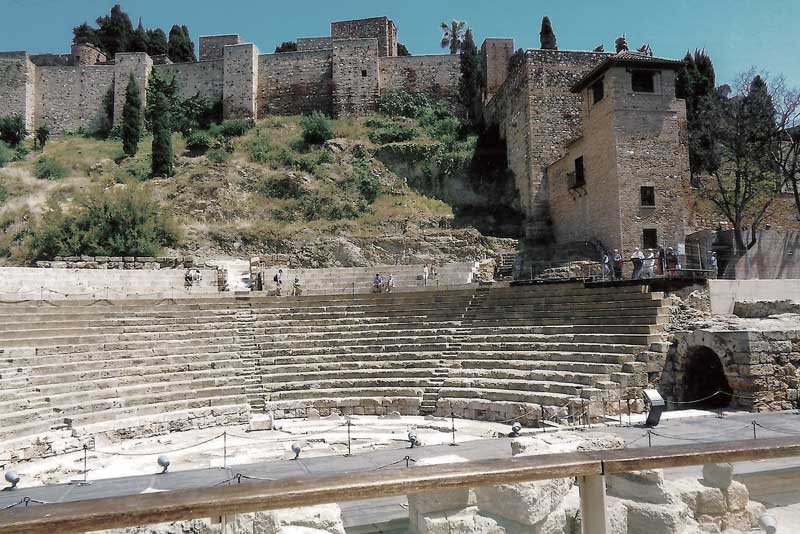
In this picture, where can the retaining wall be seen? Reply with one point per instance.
(725, 293)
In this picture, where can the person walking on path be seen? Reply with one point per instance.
(390, 283)
(425, 273)
(649, 264)
(606, 266)
(377, 283)
(618, 263)
(637, 259)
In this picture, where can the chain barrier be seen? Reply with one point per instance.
(109, 453)
(25, 501)
(239, 476)
(407, 460)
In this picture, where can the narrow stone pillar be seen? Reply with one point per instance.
(593, 504)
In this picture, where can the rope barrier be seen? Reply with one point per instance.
(787, 432)
(26, 501)
(407, 459)
(109, 453)
(239, 476)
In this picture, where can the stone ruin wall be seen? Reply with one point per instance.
(538, 115)
(213, 46)
(72, 98)
(495, 55)
(295, 82)
(17, 85)
(204, 78)
(356, 79)
(378, 27)
(434, 75)
(137, 63)
(241, 81)
(310, 44)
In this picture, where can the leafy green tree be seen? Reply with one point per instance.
(402, 50)
(42, 134)
(162, 136)
(131, 117)
(180, 47)
(286, 46)
(471, 82)
(744, 180)
(115, 32)
(547, 38)
(85, 34)
(12, 129)
(156, 42)
(453, 35)
(105, 222)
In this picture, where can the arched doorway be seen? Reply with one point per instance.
(704, 375)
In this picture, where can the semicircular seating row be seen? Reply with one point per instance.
(74, 370)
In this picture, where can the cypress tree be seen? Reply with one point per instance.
(156, 42)
(547, 38)
(115, 31)
(471, 82)
(131, 118)
(139, 41)
(180, 47)
(162, 137)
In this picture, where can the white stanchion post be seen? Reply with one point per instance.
(593, 504)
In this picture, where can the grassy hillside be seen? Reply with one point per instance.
(263, 191)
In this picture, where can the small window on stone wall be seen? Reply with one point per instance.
(649, 238)
(363, 73)
(577, 178)
(598, 91)
(648, 196)
(643, 81)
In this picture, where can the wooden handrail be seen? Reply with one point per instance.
(136, 510)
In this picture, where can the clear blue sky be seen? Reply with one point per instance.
(737, 33)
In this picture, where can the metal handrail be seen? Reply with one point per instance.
(221, 501)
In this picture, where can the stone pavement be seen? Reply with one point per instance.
(774, 482)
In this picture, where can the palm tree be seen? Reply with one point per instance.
(453, 35)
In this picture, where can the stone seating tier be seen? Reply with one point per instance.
(77, 369)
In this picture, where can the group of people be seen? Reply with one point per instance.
(297, 289)
(381, 286)
(646, 264)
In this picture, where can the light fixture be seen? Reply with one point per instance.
(12, 478)
(516, 428)
(163, 461)
(768, 523)
(412, 439)
(296, 448)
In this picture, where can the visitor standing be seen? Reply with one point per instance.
(712, 263)
(662, 260)
(377, 283)
(618, 264)
(606, 266)
(390, 283)
(296, 289)
(637, 260)
(671, 261)
(425, 273)
(649, 264)
(278, 279)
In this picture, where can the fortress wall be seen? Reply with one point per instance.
(137, 63)
(495, 55)
(241, 81)
(380, 28)
(17, 86)
(355, 76)
(70, 98)
(306, 44)
(212, 46)
(204, 78)
(294, 82)
(435, 75)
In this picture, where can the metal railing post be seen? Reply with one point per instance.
(593, 504)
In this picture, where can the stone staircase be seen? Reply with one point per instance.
(73, 370)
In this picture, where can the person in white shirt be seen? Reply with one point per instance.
(425, 273)
(649, 264)
(390, 283)
(637, 259)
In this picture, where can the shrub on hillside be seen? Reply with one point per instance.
(393, 133)
(258, 149)
(6, 154)
(48, 168)
(403, 104)
(287, 186)
(105, 222)
(236, 128)
(317, 128)
(218, 155)
(198, 141)
(3, 194)
(442, 125)
(12, 129)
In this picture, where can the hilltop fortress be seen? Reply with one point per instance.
(596, 141)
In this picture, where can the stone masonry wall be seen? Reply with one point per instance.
(652, 150)
(294, 82)
(241, 81)
(435, 75)
(380, 28)
(307, 44)
(495, 54)
(355, 76)
(140, 65)
(212, 46)
(17, 86)
(73, 97)
(204, 78)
